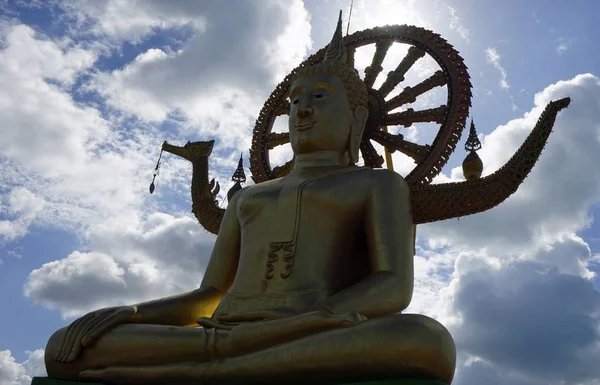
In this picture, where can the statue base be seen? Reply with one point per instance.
(54, 381)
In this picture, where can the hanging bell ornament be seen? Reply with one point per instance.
(152, 186)
(472, 165)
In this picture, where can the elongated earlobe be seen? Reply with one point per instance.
(361, 114)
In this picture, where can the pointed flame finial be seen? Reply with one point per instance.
(472, 165)
(473, 143)
(239, 177)
(336, 50)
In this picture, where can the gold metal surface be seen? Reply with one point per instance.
(288, 292)
(306, 279)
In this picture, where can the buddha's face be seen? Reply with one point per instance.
(320, 115)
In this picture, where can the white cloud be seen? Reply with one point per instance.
(24, 202)
(23, 208)
(15, 373)
(126, 21)
(369, 14)
(493, 57)
(457, 25)
(87, 167)
(57, 60)
(227, 63)
(519, 298)
(476, 370)
(565, 179)
(563, 46)
(38, 117)
(61, 152)
(127, 263)
(528, 318)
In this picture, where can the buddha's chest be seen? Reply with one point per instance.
(280, 209)
(299, 235)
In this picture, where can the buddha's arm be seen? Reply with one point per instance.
(179, 310)
(185, 309)
(388, 223)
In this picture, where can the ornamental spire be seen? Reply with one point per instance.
(472, 165)
(473, 143)
(336, 50)
(239, 177)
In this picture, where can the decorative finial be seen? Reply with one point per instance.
(336, 50)
(473, 143)
(239, 177)
(472, 165)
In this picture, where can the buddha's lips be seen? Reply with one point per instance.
(304, 126)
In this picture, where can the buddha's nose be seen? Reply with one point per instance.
(303, 112)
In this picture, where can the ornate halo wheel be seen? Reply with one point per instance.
(451, 117)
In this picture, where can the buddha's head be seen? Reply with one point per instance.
(329, 105)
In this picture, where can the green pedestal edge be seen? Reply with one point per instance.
(54, 381)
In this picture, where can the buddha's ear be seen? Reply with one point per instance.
(361, 114)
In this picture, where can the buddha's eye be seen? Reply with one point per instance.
(319, 96)
(295, 101)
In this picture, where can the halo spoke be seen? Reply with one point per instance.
(371, 72)
(350, 51)
(410, 116)
(283, 170)
(370, 155)
(397, 143)
(410, 94)
(396, 76)
(284, 108)
(277, 139)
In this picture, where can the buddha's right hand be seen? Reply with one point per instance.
(347, 319)
(85, 331)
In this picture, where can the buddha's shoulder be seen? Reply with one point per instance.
(262, 186)
(379, 178)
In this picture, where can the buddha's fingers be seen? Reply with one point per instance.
(63, 342)
(66, 344)
(81, 331)
(98, 320)
(109, 320)
(142, 374)
(95, 329)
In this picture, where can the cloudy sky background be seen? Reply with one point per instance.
(90, 89)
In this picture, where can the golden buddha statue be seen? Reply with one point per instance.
(289, 292)
(307, 278)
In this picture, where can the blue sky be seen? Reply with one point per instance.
(89, 90)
